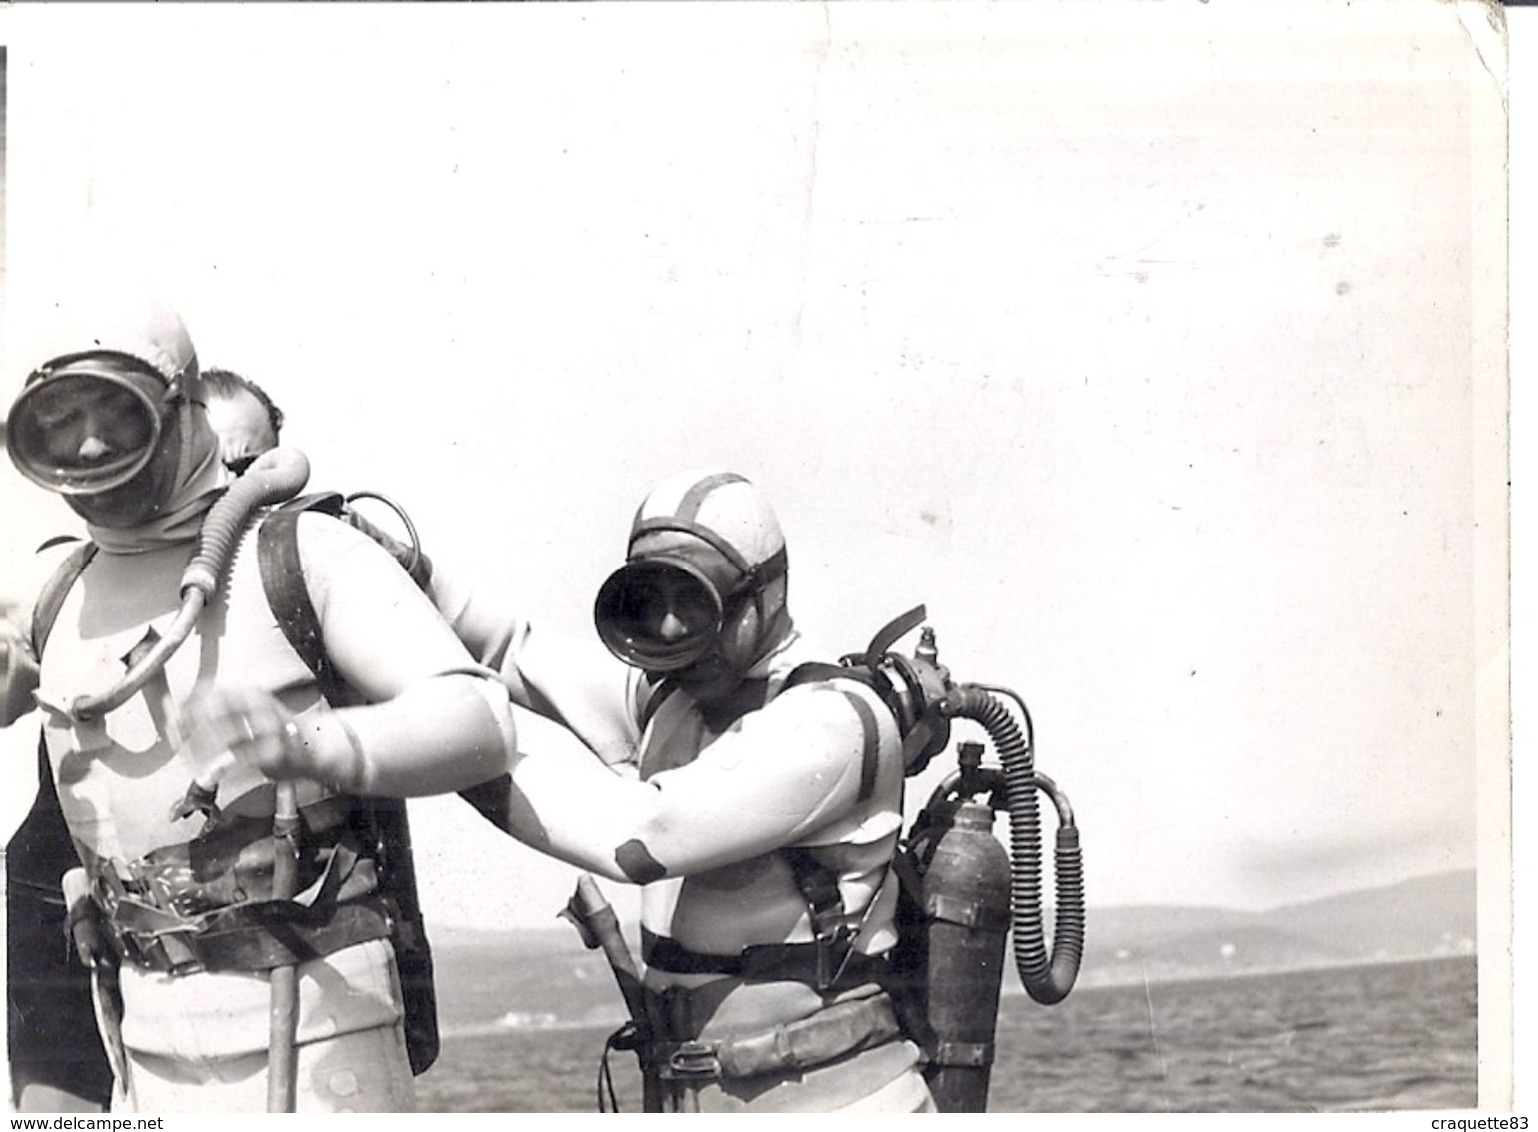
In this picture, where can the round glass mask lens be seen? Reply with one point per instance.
(79, 433)
(656, 614)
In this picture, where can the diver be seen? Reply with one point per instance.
(760, 821)
(244, 418)
(195, 928)
(57, 1062)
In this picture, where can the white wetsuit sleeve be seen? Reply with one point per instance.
(789, 769)
(436, 720)
(568, 679)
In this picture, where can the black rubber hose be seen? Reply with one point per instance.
(1046, 978)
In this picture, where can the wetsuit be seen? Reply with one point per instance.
(194, 1028)
(54, 1041)
(730, 805)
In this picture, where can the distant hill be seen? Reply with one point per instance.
(1426, 916)
(494, 979)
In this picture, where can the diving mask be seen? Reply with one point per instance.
(662, 613)
(87, 426)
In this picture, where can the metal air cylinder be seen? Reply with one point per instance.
(966, 909)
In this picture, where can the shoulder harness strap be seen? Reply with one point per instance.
(56, 589)
(287, 594)
(816, 881)
(833, 939)
(814, 672)
(381, 822)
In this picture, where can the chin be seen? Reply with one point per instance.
(707, 683)
(108, 511)
(134, 503)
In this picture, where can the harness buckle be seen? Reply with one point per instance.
(694, 1060)
(833, 952)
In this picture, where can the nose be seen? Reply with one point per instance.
(672, 629)
(93, 447)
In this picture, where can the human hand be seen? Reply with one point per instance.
(18, 676)
(225, 726)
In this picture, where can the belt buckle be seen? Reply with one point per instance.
(694, 1059)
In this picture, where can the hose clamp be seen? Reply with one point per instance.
(693, 1061)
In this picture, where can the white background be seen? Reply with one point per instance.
(1139, 348)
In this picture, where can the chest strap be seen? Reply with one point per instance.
(51, 600)
(765, 963)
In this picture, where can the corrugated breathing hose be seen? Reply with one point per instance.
(277, 475)
(1046, 979)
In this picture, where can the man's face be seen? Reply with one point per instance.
(141, 498)
(721, 669)
(97, 431)
(243, 427)
(87, 425)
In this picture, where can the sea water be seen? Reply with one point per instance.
(1384, 1037)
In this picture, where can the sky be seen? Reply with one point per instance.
(1161, 357)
